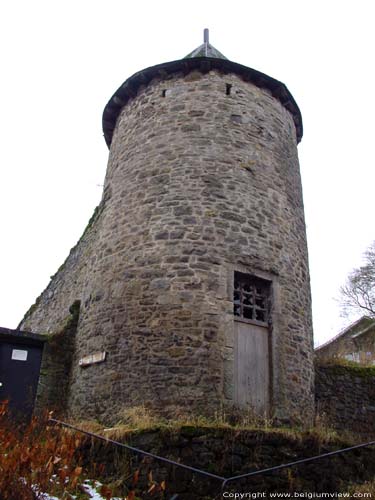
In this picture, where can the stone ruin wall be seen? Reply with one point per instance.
(199, 184)
(345, 397)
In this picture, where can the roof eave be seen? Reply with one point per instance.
(21, 337)
(204, 64)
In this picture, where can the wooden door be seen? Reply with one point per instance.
(252, 367)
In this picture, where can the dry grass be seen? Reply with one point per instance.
(366, 490)
(141, 418)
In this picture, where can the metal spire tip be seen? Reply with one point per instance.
(205, 35)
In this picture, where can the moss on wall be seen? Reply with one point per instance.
(343, 367)
(55, 371)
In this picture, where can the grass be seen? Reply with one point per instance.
(141, 418)
(367, 488)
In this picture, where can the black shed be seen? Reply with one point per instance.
(20, 360)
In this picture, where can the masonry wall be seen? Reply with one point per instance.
(199, 184)
(345, 397)
(229, 452)
(55, 373)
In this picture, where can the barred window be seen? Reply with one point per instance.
(251, 298)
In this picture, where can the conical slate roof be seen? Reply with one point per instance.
(204, 58)
(206, 49)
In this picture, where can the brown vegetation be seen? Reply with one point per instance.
(36, 458)
(41, 458)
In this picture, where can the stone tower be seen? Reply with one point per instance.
(190, 286)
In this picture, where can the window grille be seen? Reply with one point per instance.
(251, 298)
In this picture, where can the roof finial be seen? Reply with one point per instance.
(206, 49)
(205, 41)
(205, 35)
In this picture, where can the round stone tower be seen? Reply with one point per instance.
(193, 275)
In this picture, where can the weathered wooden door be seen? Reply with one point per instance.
(251, 302)
(252, 367)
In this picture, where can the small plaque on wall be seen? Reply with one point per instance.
(19, 355)
(91, 359)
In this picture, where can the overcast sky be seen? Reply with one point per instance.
(61, 61)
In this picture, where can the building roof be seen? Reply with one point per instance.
(206, 49)
(21, 337)
(360, 327)
(204, 58)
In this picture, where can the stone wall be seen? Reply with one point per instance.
(55, 373)
(230, 452)
(345, 397)
(199, 184)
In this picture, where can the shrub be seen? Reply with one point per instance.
(41, 458)
(36, 458)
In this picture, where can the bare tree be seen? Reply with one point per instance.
(358, 293)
